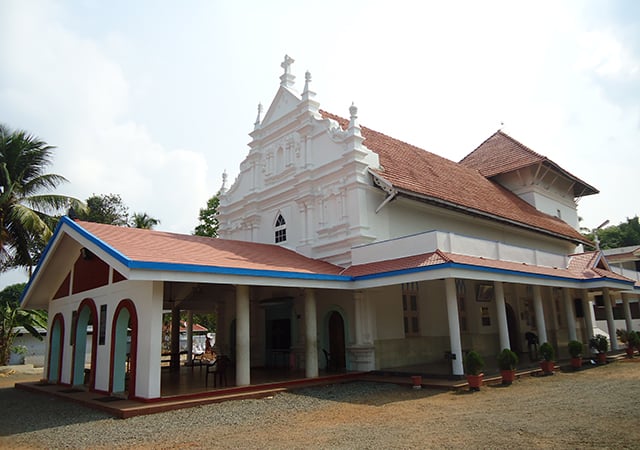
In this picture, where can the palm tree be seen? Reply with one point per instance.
(143, 220)
(25, 206)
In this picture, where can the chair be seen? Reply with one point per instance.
(218, 368)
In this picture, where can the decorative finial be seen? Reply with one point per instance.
(353, 111)
(286, 79)
(307, 80)
(224, 181)
(259, 117)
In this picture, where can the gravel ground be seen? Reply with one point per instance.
(594, 408)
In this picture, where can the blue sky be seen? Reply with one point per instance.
(153, 100)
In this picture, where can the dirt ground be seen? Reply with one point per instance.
(592, 408)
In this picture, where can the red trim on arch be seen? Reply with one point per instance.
(133, 352)
(89, 303)
(57, 318)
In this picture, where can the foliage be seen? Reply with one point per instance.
(107, 209)
(599, 342)
(11, 294)
(575, 349)
(634, 339)
(12, 317)
(622, 235)
(624, 335)
(208, 218)
(143, 220)
(547, 351)
(473, 363)
(507, 359)
(209, 321)
(26, 206)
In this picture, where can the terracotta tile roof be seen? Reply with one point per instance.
(406, 263)
(501, 153)
(581, 266)
(418, 171)
(162, 247)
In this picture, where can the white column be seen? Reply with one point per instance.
(189, 336)
(454, 326)
(571, 314)
(243, 359)
(310, 334)
(502, 315)
(540, 322)
(611, 324)
(627, 311)
(587, 309)
(362, 319)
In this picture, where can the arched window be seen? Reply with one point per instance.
(280, 229)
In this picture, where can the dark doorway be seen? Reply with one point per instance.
(336, 342)
(512, 325)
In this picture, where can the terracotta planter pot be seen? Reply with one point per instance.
(475, 381)
(508, 376)
(416, 380)
(602, 358)
(547, 367)
(630, 352)
(576, 363)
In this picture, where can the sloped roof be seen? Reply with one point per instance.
(582, 267)
(622, 254)
(501, 153)
(417, 171)
(160, 247)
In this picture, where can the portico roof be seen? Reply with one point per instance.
(152, 255)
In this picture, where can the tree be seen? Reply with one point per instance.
(11, 318)
(208, 218)
(143, 220)
(621, 235)
(11, 294)
(107, 209)
(26, 207)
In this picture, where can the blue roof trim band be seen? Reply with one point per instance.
(100, 243)
(453, 265)
(193, 268)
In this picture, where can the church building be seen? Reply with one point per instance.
(340, 248)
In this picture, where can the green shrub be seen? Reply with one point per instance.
(547, 351)
(599, 343)
(575, 349)
(473, 363)
(507, 359)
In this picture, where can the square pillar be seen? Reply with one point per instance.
(454, 326)
(243, 358)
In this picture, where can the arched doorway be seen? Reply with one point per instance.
(337, 342)
(512, 326)
(56, 339)
(124, 346)
(85, 316)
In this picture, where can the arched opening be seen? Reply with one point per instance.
(280, 229)
(56, 339)
(124, 346)
(337, 359)
(512, 326)
(84, 355)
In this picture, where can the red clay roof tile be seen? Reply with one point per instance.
(163, 247)
(418, 171)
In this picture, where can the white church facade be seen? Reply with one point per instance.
(340, 249)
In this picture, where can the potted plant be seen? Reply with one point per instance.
(548, 353)
(625, 336)
(507, 362)
(634, 342)
(575, 350)
(600, 343)
(474, 364)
